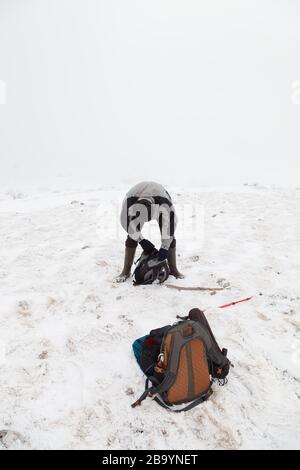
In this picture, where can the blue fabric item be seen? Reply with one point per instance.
(137, 348)
(162, 254)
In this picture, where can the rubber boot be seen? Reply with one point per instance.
(172, 263)
(128, 261)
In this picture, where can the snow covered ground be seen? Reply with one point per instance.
(67, 372)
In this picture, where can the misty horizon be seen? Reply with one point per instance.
(186, 93)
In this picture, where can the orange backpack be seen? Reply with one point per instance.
(189, 360)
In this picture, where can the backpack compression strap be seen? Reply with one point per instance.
(196, 402)
(149, 391)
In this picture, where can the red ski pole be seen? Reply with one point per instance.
(234, 303)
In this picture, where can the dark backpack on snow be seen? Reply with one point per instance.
(149, 269)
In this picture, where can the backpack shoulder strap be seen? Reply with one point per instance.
(148, 391)
(217, 356)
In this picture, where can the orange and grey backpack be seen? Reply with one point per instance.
(181, 363)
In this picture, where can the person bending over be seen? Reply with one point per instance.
(144, 202)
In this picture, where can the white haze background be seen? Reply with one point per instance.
(182, 92)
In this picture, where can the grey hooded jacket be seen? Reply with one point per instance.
(134, 215)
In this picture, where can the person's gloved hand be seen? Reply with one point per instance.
(147, 246)
(162, 254)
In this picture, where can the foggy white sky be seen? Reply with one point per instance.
(178, 91)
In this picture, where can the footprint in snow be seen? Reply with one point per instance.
(24, 308)
(77, 203)
(223, 283)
